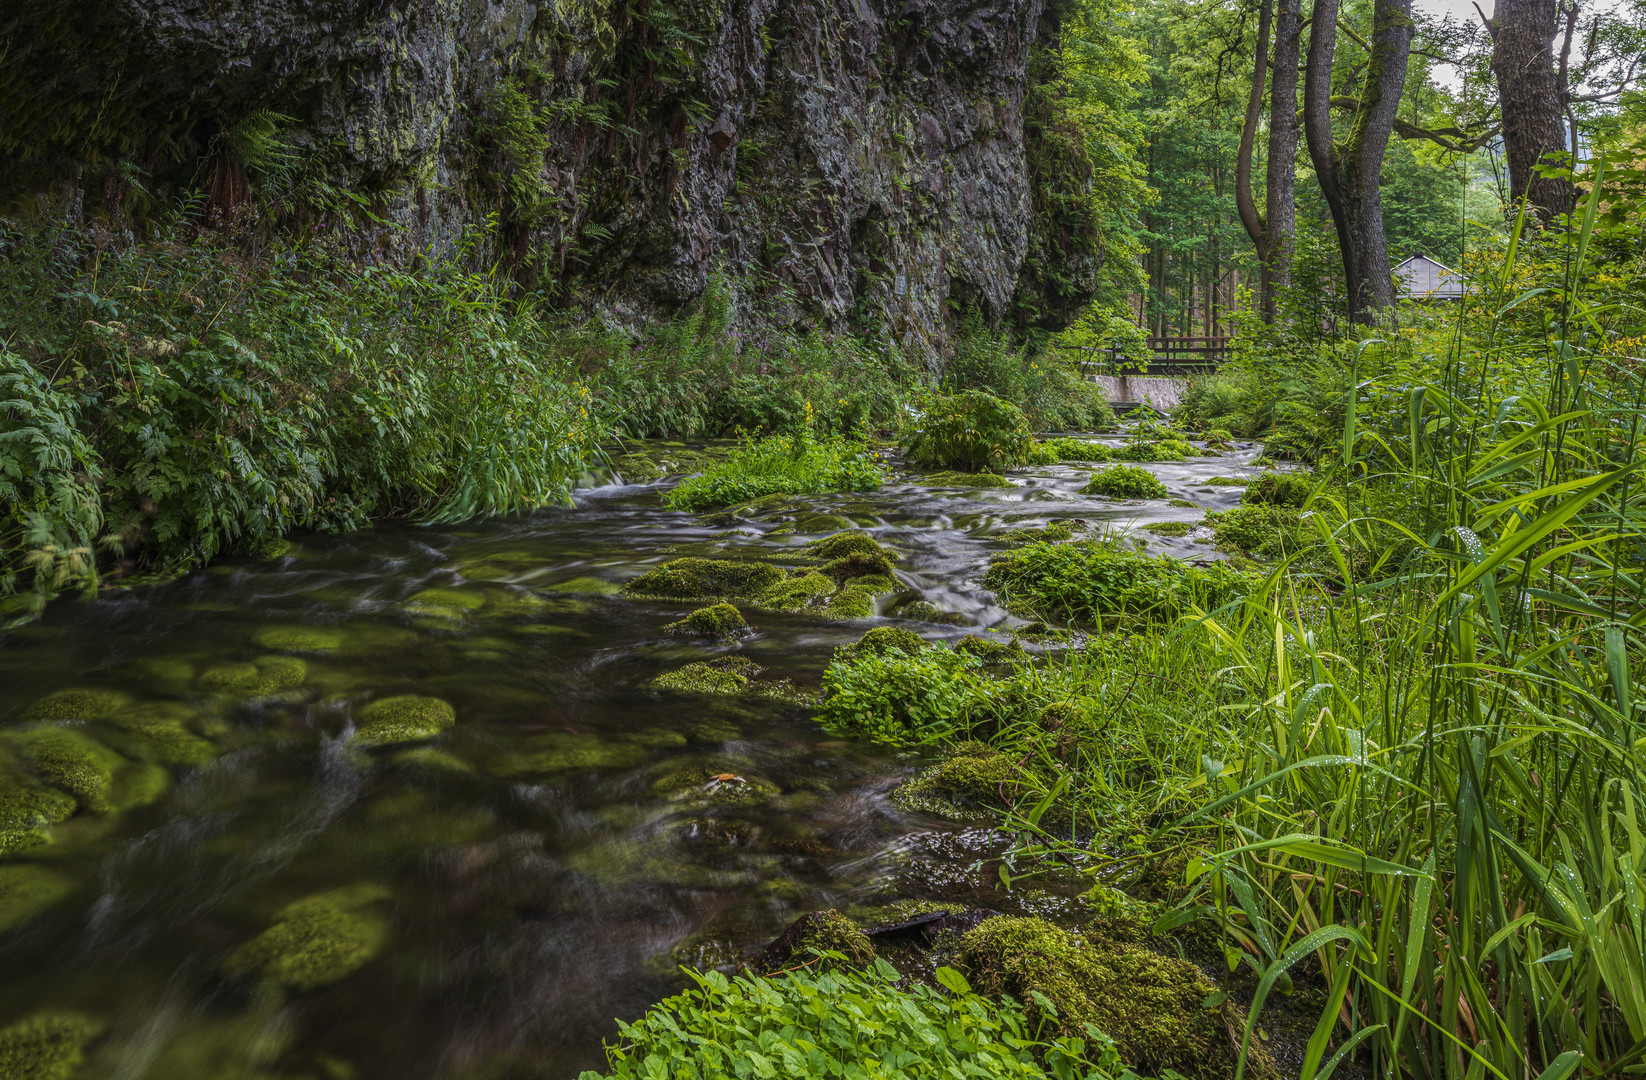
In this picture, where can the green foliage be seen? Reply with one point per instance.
(1048, 390)
(780, 465)
(971, 432)
(965, 480)
(1068, 449)
(1280, 489)
(898, 697)
(842, 1023)
(882, 640)
(513, 120)
(1091, 580)
(695, 376)
(1125, 482)
(1268, 532)
(200, 402)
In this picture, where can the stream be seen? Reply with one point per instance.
(535, 871)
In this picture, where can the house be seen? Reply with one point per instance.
(1422, 278)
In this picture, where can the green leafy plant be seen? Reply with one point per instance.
(1125, 482)
(842, 1023)
(972, 432)
(1091, 580)
(781, 465)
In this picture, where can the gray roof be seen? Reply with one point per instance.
(1424, 278)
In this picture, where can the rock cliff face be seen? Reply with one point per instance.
(845, 163)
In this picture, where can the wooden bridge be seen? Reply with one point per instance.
(1157, 380)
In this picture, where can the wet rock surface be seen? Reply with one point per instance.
(834, 155)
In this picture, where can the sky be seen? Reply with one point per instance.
(1464, 11)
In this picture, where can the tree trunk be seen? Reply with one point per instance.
(1244, 203)
(1523, 34)
(1348, 171)
(1280, 207)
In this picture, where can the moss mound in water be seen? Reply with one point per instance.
(705, 579)
(882, 640)
(1169, 528)
(823, 931)
(404, 718)
(316, 941)
(856, 601)
(310, 639)
(78, 704)
(1125, 482)
(69, 760)
(972, 780)
(45, 1046)
(27, 809)
(264, 676)
(1153, 1006)
(1280, 489)
(159, 733)
(991, 651)
(723, 675)
(961, 479)
(860, 564)
(840, 545)
(799, 591)
(25, 891)
(717, 620)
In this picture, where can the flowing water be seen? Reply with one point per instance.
(542, 867)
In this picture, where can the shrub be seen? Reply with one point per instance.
(840, 1022)
(970, 431)
(201, 401)
(1125, 482)
(1089, 580)
(897, 697)
(780, 465)
(1268, 532)
(1280, 489)
(1067, 449)
(1050, 391)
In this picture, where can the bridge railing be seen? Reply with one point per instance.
(1169, 357)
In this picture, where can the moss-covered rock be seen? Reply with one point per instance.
(926, 611)
(723, 675)
(967, 785)
(717, 620)
(860, 564)
(306, 639)
(852, 602)
(819, 932)
(403, 718)
(706, 579)
(1226, 481)
(1169, 528)
(260, 678)
(559, 752)
(817, 523)
(1184, 504)
(158, 732)
(1055, 532)
(965, 480)
(840, 545)
(446, 602)
(76, 704)
(25, 891)
(27, 809)
(1153, 1006)
(69, 759)
(713, 783)
(991, 651)
(806, 588)
(316, 941)
(46, 1046)
(882, 640)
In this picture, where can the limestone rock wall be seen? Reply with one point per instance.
(846, 163)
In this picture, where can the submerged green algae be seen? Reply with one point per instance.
(25, 891)
(964, 480)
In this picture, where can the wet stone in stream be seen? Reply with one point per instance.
(421, 803)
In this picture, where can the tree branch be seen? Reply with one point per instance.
(1455, 139)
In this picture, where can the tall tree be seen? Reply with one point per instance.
(1349, 170)
(1273, 231)
(1532, 97)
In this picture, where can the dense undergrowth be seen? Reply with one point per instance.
(780, 465)
(169, 401)
(1403, 763)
